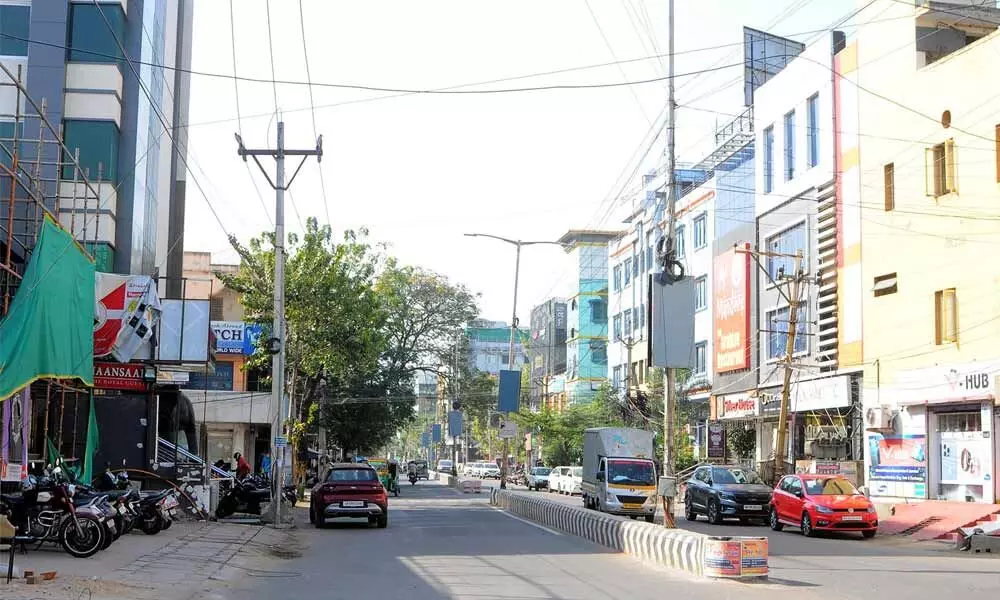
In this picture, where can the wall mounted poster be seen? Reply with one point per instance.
(898, 465)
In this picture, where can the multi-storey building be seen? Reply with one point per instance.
(921, 182)
(546, 349)
(489, 346)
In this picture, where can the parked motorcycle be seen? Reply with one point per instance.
(243, 496)
(157, 510)
(44, 512)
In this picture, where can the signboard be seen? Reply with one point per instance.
(897, 465)
(125, 313)
(716, 440)
(509, 398)
(229, 336)
(731, 309)
(12, 472)
(508, 430)
(455, 423)
(281, 441)
(183, 331)
(120, 376)
(737, 406)
(733, 557)
(221, 379)
(436, 432)
(425, 440)
(560, 315)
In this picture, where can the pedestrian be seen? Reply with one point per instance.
(242, 466)
(265, 463)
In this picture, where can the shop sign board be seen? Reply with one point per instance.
(716, 440)
(737, 406)
(809, 395)
(897, 465)
(947, 383)
(731, 311)
(119, 376)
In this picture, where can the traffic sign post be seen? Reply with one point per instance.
(508, 431)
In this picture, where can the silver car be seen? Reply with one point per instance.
(538, 478)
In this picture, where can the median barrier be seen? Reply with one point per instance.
(674, 548)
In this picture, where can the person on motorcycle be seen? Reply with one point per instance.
(393, 474)
(242, 466)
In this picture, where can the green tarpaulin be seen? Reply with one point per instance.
(49, 330)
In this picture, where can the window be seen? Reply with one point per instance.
(628, 270)
(679, 241)
(812, 129)
(790, 146)
(642, 316)
(885, 285)
(700, 358)
(889, 175)
(939, 170)
(700, 231)
(946, 313)
(635, 265)
(650, 242)
(598, 311)
(15, 24)
(616, 324)
(98, 144)
(789, 241)
(599, 353)
(215, 308)
(769, 159)
(627, 321)
(359, 474)
(617, 271)
(777, 332)
(636, 318)
(616, 377)
(701, 293)
(90, 40)
(505, 358)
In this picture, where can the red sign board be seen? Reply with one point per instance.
(119, 376)
(732, 311)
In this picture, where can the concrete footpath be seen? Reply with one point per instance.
(190, 560)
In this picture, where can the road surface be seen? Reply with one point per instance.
(442, 544)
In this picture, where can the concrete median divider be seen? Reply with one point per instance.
(672, 548)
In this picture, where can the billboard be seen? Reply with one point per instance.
(126, 310)
(731, 310)
(897, 465)
(236, 337)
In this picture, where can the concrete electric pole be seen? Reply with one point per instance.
(670, 377)
(280, 404)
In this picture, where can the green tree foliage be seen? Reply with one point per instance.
(359, 327)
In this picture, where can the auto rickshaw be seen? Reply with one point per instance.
(381, 466)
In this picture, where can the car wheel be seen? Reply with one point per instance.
(775, 524)
(868, 534)
(383, 521)
(807, 526)
(714, 516)
(689, 512)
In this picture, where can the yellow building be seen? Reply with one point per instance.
(921, 178)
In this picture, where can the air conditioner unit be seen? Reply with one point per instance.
(878, 417)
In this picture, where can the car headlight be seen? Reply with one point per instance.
(871, 508)
(824, 510)
(727, 497)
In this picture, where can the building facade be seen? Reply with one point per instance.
(925, 181)
(546, 349)
(489, 347)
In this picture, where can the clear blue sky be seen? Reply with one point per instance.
(421, 170)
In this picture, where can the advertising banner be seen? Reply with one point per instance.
(731, 287)
(119, 376)
(228, 336)
(898, 465)
(436, 432)
(738, 406)
(126, 310)
(716, 440)
(965, 461)
(14, 441)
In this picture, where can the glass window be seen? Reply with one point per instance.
(617, 326)
(635, 265)
(946, 316)
(777, 332)
(598, 311)
(790, 146)
(788, 241)
(636, 318)
(628, 270)
(812, 116)
(617, 277)
(701, 293)
(627, 321)
(651, 241)
(769, 159)
(679, 241)
(700, 231)
(599, 353)
(90, 38)
(700, 358)
(359, 474)
(15, 24)
(98, 144)
(832, 486)
(642, 315)
(734, 475)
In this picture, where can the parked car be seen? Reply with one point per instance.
(469, 469)
(538, 478)
(571, 483)
(489, 470)
(726, 492)
(444, 466)
(817, 503)
(555, 477)
(349, 490)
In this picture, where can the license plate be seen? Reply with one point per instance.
(753, 507)
(353, 504)
(171, 502)
(851, 518)
(633, 506)
(121, 510)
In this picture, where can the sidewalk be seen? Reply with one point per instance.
(178, 564)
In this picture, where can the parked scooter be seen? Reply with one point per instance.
(244, 496)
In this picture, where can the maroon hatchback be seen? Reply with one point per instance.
(349, 490)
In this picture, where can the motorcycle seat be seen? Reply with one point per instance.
(12, 498)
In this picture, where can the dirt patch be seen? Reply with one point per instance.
(78, 588)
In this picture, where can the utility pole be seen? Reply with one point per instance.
(670, 377)
(793, 321)
(279, 401)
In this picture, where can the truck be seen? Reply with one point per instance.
(619, 475)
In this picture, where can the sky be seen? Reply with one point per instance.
(420, 170)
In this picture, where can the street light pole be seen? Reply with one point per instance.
(513, 327)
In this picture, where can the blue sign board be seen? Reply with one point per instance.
(220, 380)
(236, 337)
(436, 432)
(510, 391)
(425, 440)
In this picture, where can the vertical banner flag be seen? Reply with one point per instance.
(509, 399)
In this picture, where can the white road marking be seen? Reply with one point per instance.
(527, 522)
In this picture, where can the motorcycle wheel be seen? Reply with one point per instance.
(151, 526)
(166, 524)
(109, 538)
(86, 545)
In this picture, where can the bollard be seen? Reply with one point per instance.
(735, 557)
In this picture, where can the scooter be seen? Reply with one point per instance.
(413, 479)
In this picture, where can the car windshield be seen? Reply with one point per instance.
(577, 471)
(633, 472)
(540, 471)
(338, 475)
(734, 476)
(833, 486)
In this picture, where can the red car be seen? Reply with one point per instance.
(349, 490)
(817, 503)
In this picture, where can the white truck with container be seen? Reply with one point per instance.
(619, 475)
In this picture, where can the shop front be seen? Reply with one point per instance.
(930, 436)
(732, 428)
